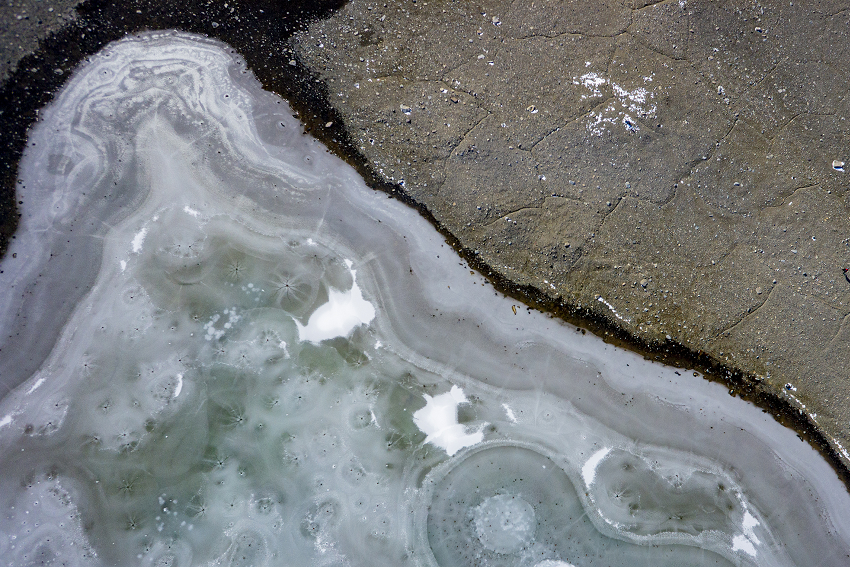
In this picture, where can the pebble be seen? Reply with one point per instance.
(758, 291)
(838, 165)
(404, 108)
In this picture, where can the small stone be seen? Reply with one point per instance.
(404, 108)
(566, 244)
(758, 291)
(644, 283)
(838, 165)
(328, 124)
(496, 21)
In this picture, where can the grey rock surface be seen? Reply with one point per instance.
(673, 166)
(23, 23)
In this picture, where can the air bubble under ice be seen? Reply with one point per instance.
(225, 349)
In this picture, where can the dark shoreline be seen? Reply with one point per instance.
(260, 33)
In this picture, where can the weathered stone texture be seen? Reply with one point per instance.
(674, 158)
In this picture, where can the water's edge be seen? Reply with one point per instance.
(41, 74)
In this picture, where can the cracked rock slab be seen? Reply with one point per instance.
(672, 158)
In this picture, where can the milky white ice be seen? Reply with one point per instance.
(438, 420)
(344, 311)
(588, 471)
(748, 540)
(197, 374)
(139, 240)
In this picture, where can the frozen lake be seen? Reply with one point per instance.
(224, 349)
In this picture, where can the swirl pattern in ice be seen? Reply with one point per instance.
(226, 350)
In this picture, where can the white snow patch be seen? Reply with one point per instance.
(123, 264)
(747, 541)
(189, 210)
(509, 412)
(553, 563)
(588, 471)
(6, 420)
(36, 386)
(139, 239)
(179, 387)
(438, 421)
(741, 543)
(344, 311)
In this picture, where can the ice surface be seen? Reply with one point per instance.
(588, 471)
(438, 420)
(344, 311)
(200, 376)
